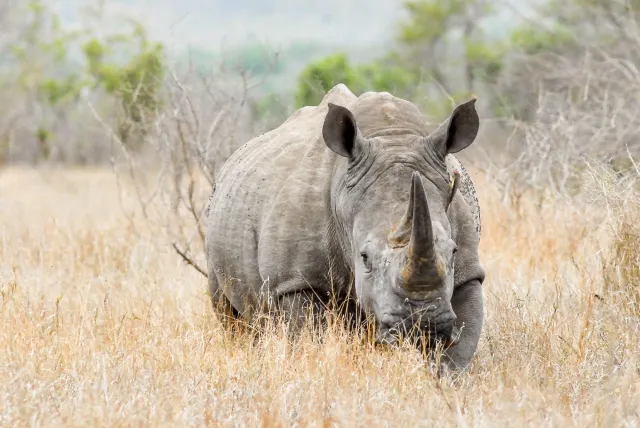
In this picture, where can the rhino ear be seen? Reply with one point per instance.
(458, 131)
(340, 131)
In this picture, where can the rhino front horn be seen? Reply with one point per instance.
(421, 267)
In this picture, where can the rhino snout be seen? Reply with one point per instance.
(442, 322)
(388, 329)
(440, 328)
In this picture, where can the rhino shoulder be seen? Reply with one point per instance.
(301, 112)
(467, 189)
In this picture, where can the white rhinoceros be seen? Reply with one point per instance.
(351, 202)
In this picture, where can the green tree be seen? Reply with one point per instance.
(135, 84)
(428, 45)
(268, 110)
(385, 75)
(41, 58)
(567, 30)
(438, 30)
(125, 65)
(320, 76)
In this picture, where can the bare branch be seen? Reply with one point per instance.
(189, 261)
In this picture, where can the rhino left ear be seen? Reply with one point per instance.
(341, 133)
(458, 131)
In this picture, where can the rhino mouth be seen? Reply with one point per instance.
(447, 336)
(429, 336)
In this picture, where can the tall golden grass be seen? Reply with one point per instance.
(103, 325)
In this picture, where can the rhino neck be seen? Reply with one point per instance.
(337, 232)
(340, 230)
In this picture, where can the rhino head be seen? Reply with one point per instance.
(390, 198)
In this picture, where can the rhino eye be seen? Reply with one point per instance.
(366, 261)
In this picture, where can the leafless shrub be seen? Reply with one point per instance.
(573, 101)
(579, 146)
(205, 118)
(588, 111)
(582, 149)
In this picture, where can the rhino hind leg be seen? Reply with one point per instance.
(222, 307)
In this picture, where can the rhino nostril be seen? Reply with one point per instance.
(388, 327)
(389, 320)
(445, 318)
(386, 333)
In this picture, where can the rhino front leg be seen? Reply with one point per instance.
(299, 308)
(467, 303)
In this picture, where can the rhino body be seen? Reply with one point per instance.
(347, 201)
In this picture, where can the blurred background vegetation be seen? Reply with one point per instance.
(71, 70)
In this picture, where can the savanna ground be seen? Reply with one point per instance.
(103, 325)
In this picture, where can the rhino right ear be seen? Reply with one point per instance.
(340, 131)
(459, 131)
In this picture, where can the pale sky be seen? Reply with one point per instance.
(212, 23)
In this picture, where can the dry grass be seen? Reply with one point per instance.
(104, 326)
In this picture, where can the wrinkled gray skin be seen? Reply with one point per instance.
(353, 187)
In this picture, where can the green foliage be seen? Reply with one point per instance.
(136, 84)
(486, 60)
(444, 51)
(385, 76)
(41, 48)
(45, 70)
(270, 110)
(532, 40)
(255, 58)
(44, 136)
(320, 76)
(439, 34)
(429, 20)
(563, 29)
(59, 91)
(382, 75)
